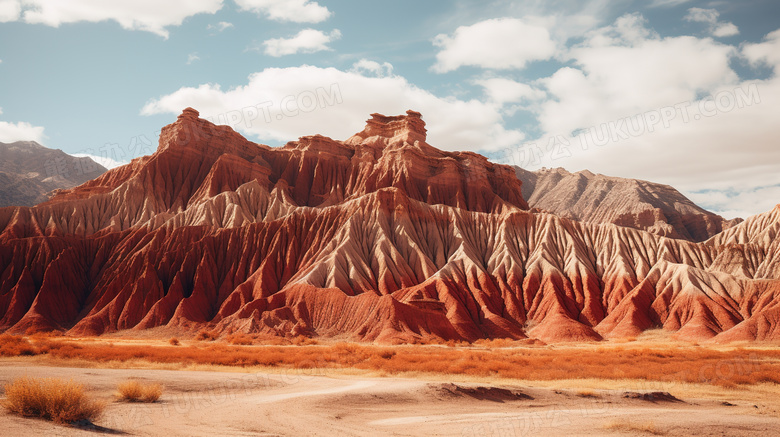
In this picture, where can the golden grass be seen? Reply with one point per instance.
(729, 368)
(52, 399)
(134, 391)
(632, 427)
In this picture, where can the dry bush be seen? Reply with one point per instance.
(14, 346)
(206, 335)
(174, 341)
(302, 340)
(52, 399)
(633, 427)
(588, 394)
(239, 339)
(134, 391)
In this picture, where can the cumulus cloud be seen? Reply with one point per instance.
(767, 52)
(624, 69)
(367, 67)
(192, 57)
(280, 104)
(502, 90)
(501, 43)
(667, 3)
(10, 10)
(102, 160)
(730, 204)
(147, 15)
(305, 41)
(21, 131)
(715, 141)
(710, 17)
(220, 27)
(297, 11)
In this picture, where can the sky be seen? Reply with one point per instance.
(680, 92)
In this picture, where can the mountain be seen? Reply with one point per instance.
(595, 198)
(29, 172)
(379, 237)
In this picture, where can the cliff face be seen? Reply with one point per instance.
(379, 237)
(595, 198)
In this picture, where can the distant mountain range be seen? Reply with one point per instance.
(30, 172)
(595, 198)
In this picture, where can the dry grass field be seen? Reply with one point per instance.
(724, 366)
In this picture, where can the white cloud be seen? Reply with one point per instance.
(710, 16)
(102, 160)
(305, 41)
(220, 27)
(723, 30)
(625, 69)
(348, 98)
(502, 43)
(767, 52)
(1, 111)
(147, 15)
(501, 90)
(297, 11)
(367, 67)
(731, 204)
(22, 131)
(9, 10)
(667, 3)
(725, 160)
(700, 15)
(192, 57)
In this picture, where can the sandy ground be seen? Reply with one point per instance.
(210, 403)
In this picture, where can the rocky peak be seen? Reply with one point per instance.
(189, 113)
(196, 134)
(409, 128)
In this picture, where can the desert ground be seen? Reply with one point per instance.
(207, 400)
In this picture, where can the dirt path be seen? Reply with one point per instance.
(256, 404)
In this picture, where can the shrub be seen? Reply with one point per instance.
(206, 335)
(302, 340)
(174, 341)
(134, 391)
(14, 346)
(239, 339)
(52, 399)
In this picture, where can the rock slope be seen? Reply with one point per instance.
(379, 237)
(595, 198)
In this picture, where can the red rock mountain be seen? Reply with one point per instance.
(379, 237)
(595, 198)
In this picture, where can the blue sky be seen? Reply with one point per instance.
(531, 83)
